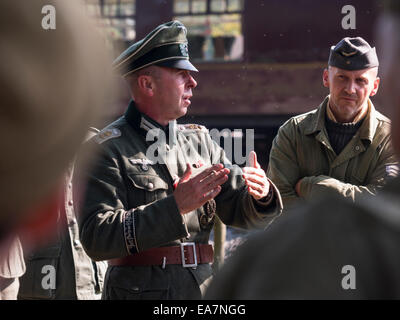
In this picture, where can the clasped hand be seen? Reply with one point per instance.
(193, 192)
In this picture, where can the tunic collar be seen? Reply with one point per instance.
(144, 123)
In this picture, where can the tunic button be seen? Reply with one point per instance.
(70, 203)
(69, 185)
(77, 243)
(151, 185)
(167, 147)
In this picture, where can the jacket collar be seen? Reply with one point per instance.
(317, 119)
(366, 131)
(144, 123)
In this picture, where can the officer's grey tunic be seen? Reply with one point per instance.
(129, 206)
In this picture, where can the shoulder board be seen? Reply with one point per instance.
(192, 126)
(107, 134)
(91, 133)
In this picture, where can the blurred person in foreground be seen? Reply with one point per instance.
(154, 190)
(333, 248)
(52, 87)
(343, 147)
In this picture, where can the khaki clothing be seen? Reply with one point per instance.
(129, 206)
(332, 248)
(11, 258)
(9, 288)
(301, 150)
(12, 266)
(76, 275)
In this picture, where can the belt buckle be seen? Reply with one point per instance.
(184, 264)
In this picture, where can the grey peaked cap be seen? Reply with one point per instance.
(166, 46)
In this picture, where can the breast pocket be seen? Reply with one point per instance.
(147, 188)
(359, 172)
(358, 178)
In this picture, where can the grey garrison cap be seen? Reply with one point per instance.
(353, 54)
(165, 46)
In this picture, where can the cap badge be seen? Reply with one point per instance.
(184, 49)
(348, 54)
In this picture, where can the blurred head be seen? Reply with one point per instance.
(388, 33)
(52, 85)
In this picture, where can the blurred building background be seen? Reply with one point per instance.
(260, 61)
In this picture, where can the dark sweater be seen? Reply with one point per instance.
(341, 133)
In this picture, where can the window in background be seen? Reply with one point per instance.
(199, 6)
(93, 8)
(116, 17)
(214, 28)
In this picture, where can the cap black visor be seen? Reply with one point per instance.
(178, 64)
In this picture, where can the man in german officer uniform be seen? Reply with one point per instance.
(343, 146)
(152, 193)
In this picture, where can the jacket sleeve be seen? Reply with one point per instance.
(283, 168)
(235, 206)
(108, 227)
(386, 168)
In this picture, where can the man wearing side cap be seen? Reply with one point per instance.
(343, 146)
(334, 248)
(153, 191)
